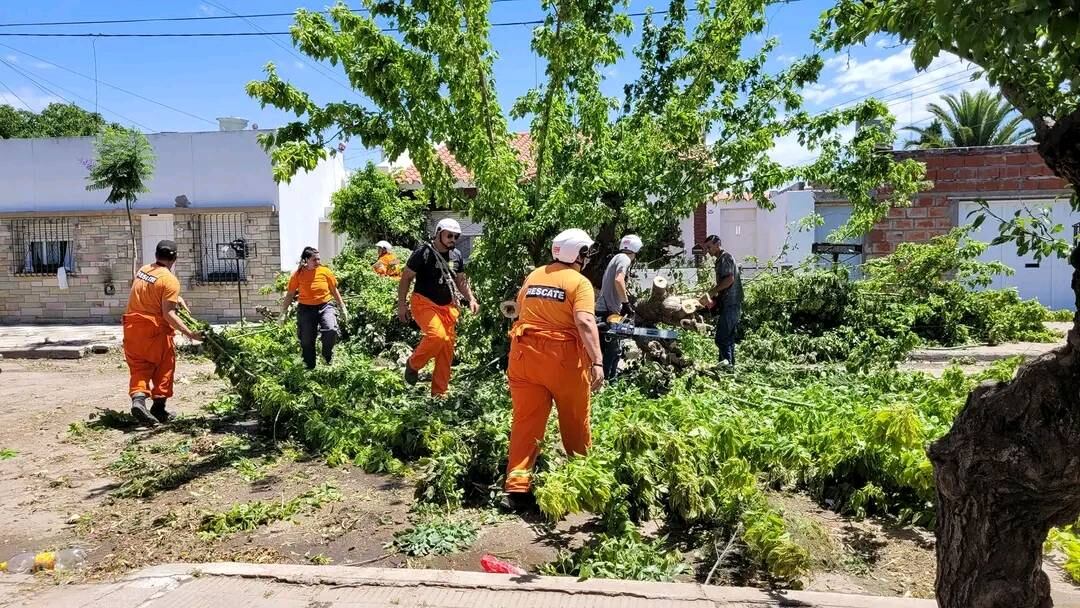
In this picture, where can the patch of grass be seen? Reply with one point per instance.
(7, 454)
(436, 536)
(319, 559)
(248, 516)
(226, 405)
(250, 469)
(80, 432)
(185, 460)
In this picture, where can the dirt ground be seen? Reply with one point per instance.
(74, 474)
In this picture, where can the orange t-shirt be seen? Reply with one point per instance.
(314, 285)
(550, 297)
(153, 285)
(387, 265)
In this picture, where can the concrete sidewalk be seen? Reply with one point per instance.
(295, 586)
(63, 341)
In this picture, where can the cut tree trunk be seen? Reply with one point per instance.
(662, 306)
(1008, 471)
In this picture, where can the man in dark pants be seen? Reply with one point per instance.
(615, 299)
(725, 299)
(316, 314)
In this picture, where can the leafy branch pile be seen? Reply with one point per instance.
(698, 452)
(924, 294)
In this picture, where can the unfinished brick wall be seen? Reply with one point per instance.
(102, 255)
(961, 173)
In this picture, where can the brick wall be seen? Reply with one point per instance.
(701, 223)
(103, 256)
(961, 173)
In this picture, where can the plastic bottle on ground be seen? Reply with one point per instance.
(23, 563)
(70, 558)
(490, 563)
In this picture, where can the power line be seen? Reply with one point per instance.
(326, 74)
(70, 92)
(111, 86)
(16, 95)
(266, 33)
(231, 15)
(872, 93)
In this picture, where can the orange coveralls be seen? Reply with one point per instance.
(437, 324)
(548, 362)
(148, 338)
(388, 266)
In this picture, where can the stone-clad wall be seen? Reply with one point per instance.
(103, 256)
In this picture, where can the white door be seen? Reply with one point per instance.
(155, 227)
(1031, 278)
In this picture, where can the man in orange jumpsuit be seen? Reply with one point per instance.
(554, 355)
(149, 324)
(387, 264)
(441, 285)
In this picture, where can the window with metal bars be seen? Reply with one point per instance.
(42, 245)
(212, 230)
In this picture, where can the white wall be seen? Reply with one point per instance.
(218, 168)
(1048, 280)
(304, 201)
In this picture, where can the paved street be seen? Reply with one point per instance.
(293, 586)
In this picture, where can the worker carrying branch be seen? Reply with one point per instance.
(150, 321)
(387, 265)
(441, 286)
(554, 355)
(615, 300)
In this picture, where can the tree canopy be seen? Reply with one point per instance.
(370, 207)
(56, 120)
(972, 119)
(699, 119)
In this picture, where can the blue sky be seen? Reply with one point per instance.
(204, 77)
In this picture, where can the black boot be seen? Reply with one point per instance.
(139, 411)
(517, 502)
(158, 410)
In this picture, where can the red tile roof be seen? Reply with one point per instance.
(520, 142)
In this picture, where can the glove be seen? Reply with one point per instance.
(627, 309)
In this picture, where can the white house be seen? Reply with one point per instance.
(208, 189)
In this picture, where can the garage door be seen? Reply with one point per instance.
(1046, 280)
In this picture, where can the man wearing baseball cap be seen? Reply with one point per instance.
(150, 321)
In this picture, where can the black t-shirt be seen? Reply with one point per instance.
(430, 280)
(732, 297)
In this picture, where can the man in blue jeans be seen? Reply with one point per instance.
(725, 299)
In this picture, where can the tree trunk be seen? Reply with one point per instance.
(664, 307)
(134, 244)
(1060, 147)
(1008, 471)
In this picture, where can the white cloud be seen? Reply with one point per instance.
(819, 93)
(786, 59)
(207, 10)
(11, 58)
(41, 65)
(873, 73)
(36, 100)
(299, 64)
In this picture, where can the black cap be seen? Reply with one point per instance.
(166, 250)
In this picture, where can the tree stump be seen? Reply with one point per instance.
(662, 306)
(1008, 471)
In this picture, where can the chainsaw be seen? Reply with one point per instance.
(624, 326)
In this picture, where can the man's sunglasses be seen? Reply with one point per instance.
(451, 235)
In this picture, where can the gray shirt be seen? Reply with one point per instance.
(609, 300)
(732, 297)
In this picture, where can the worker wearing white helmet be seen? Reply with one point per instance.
(441, 287)
(387, 264)
(615, 299)
(554, 355)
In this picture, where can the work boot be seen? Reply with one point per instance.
(517, 502)
(139, 411)
(158, 410)
(411, 375)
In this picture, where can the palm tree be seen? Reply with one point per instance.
(979, 119)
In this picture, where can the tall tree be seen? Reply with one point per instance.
(974, 119)
(700, 118)
(1006, 472)
(932, 136)
(370, 207)
(123, 164)
(56, 120)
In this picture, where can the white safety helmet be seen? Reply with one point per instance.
(570, 244)
(631, 243)
(384, 245)
(448, 224)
